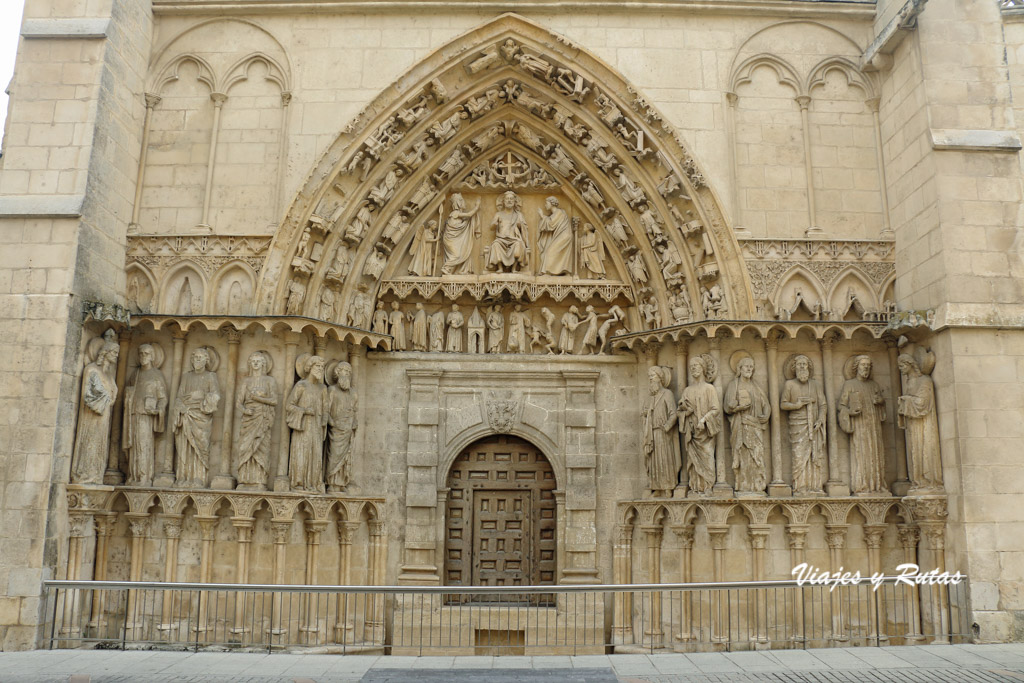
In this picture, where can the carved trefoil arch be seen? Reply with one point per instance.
(519, 109)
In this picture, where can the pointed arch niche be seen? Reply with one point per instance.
(508, 106)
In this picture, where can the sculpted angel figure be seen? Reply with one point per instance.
(555, 239)
(306, 415)
(342, 406)
(592, 253)
(145, 412)
(192, 417)
(99, 390)
(257, 408)
(422, 249)
(700, 420)
(748, 409)
(861, 414)
(508, 251)
(660, 435)
(457, 239)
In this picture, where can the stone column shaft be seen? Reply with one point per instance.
(777, 487)
(902, 484)
(104, 522)
(804, 102)
(165, 474)
(172, 532)
(152, 100)
(685, 576)
(219, 99)
(835, 485)
(281, 480)
(243, 527)
(835, 534)
(653, 535)
(221, 465)
(622, 619)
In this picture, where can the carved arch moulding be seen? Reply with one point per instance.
(476, 138)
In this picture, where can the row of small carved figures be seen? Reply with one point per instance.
(697, 417)
(486, 332)
(320, 413)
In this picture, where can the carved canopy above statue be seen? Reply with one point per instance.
(441, 192)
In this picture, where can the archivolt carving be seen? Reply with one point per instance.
(531, 105)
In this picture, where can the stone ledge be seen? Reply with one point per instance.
(36, 206)
(951, 139)
(65, 28)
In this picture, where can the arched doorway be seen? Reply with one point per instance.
(500, 523)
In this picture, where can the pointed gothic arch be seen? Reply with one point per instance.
(613, 157)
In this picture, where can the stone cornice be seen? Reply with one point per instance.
(802, 8)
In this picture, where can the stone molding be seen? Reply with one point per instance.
(65, 28)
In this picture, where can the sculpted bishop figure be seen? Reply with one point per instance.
(804, 400)
(660, 435)
(700, 420)
(508, 252)
(145, 410)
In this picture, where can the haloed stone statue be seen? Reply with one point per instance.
(861, 414)
(99, 389)
(661, 437)
(917, 415)
(257, 406)
(342, 404)
(804, 400)
(306, 414)
(192, 417)
(700, 420)
(145, 413)
(748, 410)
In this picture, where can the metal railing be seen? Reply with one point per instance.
(502, 620)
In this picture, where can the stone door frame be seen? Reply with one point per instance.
(555, 410)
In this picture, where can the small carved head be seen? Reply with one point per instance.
(908, 365)
(802, 368)
(697, 369)
(258, 362)
(394, 305)
(659, 378)
(200, 359)
(146, 356)
(863, 367)
(343, 376)
(746, 367)
(315, 368)
(552, 202)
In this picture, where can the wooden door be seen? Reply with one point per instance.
(501, 533)
(500, 518)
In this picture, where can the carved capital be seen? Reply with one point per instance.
(78, 524)
(286, 98)
(152, 99)
(232, 335)
(758, 537)
(138, 523)
(219, 99)
(872, 104)
(654, 534)
(624, 535)
(873, 535)
(804, 101)
(796, 534)
(718, 536)
(314, 529)
(835, 536)
(104, 522)
(243, 527)
(346, 531)
(377, 529)
(207, 526)
(281, 530)
(685, 534)
(934, 534)
(172, 525)
(731, 98)
(909, 535)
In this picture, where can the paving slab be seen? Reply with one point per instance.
(712, 662)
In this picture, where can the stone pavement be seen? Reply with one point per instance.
(963, 663)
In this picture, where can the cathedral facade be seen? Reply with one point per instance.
(468, 294)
